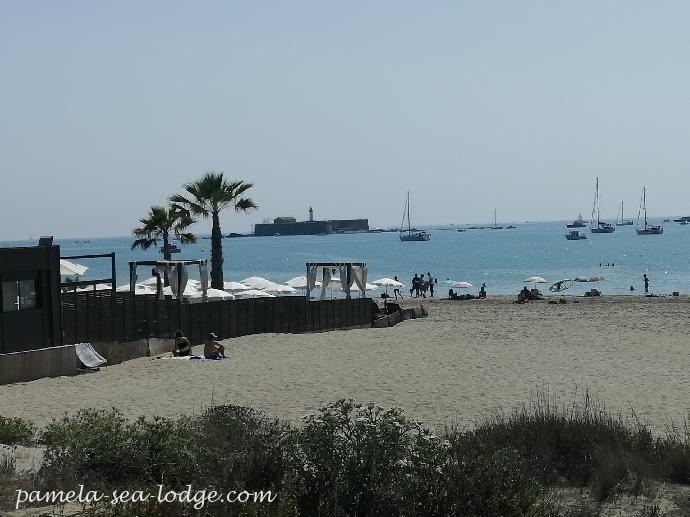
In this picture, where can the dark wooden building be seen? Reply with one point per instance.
(30, 313)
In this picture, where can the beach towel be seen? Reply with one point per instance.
(188, 358)
(88, 356)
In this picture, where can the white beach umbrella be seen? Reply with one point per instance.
(281, 289)
(300, 282)
(535, 280)
(388, 282)
(138, 289)
(149, 281)
(460, 285)
(68, 268)
(259, 283)
(254, 293)
(188, 292)
(213, 294)
(233, 287)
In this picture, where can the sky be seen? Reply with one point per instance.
(107, 108)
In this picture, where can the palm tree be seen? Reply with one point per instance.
(207, 197)
(158, 224)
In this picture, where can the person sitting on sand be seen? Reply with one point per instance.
(482, 292)
(213, 349)
(524, 295)
(451, 294)
(183, 347)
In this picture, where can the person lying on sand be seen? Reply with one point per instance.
(182, 345)
(213, 349)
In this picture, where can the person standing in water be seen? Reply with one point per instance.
(646, 283)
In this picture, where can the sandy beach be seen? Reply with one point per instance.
(461, 363)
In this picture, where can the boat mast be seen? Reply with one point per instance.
(402, 223)
(644, 204)
(595, 207)
(409, 227)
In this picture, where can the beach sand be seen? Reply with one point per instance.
(460, 364)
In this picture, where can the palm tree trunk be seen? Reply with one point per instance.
(216, 254)
(166, 256)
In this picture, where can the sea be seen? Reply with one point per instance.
(502, 259)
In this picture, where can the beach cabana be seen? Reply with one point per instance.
(349, 274)
(177, 275)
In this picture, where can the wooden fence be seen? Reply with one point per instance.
(106, 316)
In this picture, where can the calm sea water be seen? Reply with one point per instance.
(500, 258)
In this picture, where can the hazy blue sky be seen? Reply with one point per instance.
(108, 107)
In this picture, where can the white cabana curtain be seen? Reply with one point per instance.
(312, 271)
(326, 280)
(161, 271)
(178, 280)
(346, 279)
(359, 274)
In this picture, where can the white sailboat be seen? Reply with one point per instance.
(411, 235)
(495, 226)
(623, 222)
(596, 225)
(647, 229)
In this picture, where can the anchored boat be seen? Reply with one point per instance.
(599, 227)
(623, 222)
(647, 229)
(575, 235)
(411, 235)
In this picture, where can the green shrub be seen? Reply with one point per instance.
(16, 431)
(360, 459)
(91, 446)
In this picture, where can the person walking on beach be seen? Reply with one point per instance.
(646, 283)
(396, 291)
(421, 286)
(430, 282)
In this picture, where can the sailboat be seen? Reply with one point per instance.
(411, 235)
(647, 229)
(623, 222)
(577, 223)
(599, 227)
(495, 226)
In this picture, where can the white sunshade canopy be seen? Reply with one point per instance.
(388, 282)
(300, 282)
(189, 291)
(336, 285)
(213, 294)
(254, 293)
(138, 289)
(233, 287)
(258, 283)
(535, 280)
(461, 285)
(68, 268)
(282, 289)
